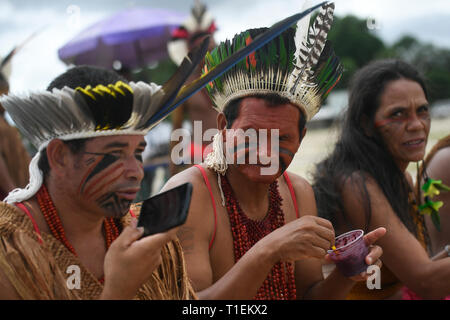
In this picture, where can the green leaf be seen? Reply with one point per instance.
(436, 220)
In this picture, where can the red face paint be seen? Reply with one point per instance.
(403, 121)
(256, 114)
(382, 123)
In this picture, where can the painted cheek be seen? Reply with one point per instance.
(390, 122)
(102, 173)
(115, 206)
(102, 183)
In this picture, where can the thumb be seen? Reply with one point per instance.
(373, 236)
(130, 235)
(155, 240)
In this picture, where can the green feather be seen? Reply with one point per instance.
(283, 53)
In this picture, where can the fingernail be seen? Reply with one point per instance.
(369, 261)
(140, 229)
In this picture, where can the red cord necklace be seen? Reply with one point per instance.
(280, 283)
(54, 222)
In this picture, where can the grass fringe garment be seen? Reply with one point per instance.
(38, 272)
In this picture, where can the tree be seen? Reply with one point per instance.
(354, 44)
(432, 62)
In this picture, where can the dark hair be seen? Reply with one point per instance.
(231, 110)
(363, 154)
(80, 76)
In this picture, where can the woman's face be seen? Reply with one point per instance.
(403, 121)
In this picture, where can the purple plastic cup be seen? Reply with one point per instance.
(350, 254)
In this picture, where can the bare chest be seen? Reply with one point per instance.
(225, 243)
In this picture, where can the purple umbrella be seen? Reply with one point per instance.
(134, 37)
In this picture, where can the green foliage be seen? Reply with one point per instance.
(356, 46)
(353, 43)
(433, 62)
(158, 73)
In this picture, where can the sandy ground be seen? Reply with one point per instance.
(318, 143)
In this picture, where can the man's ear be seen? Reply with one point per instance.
(222, 125)
(221, 121)
(58, 157)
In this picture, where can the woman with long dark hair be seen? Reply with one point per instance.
(364, 183)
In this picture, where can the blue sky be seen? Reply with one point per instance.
(37, 64)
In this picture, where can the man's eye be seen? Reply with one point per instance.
(138, 156)
(423, 109)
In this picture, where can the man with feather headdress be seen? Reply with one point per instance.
(252, 229)
(70, 234)
(74, 215)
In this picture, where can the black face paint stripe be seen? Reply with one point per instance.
(112, 203)
(107, 160)
(289, 153)
(283, 165)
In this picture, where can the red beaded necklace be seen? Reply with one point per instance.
(54, 222)
(280, 283)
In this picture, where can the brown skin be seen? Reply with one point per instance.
(214, 273)
(438, 169)
(402, 117)
(129, 262)
(6, 182)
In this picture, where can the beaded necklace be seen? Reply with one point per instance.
(280, 283)
(51, 216)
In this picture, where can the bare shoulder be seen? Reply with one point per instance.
(199, 226)
(192, 175)
(304, 194)
(360, 191)
(299, 183)
(438, 167)
(200, 194)
(357, 180)
(359, 187)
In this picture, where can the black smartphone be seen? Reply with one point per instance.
(166, 210)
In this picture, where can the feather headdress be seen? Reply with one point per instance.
(299, 65)
(199, 23)
(116, 109)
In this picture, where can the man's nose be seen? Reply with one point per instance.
(134, 168)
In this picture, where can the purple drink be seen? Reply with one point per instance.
(350, 254)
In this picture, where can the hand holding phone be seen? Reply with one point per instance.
(166, 210)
